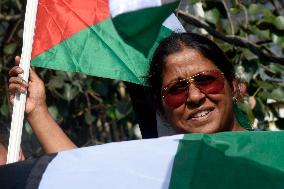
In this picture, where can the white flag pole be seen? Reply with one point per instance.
(20, 99)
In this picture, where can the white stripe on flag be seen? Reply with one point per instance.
(122, 6)
(173, 24)
(133, 164)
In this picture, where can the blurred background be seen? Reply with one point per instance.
(95, 110)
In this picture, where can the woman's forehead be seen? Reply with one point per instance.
(185, 64)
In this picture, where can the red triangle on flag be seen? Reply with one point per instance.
(58, 20)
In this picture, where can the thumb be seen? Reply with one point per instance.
(33, 75)
(17, 60)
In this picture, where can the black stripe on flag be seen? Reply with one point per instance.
(24, 174)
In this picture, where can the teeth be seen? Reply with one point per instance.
(201, 114)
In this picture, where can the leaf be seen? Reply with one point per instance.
(227, 27)
(262, 34)
(279, 22)
(69, 92)
(70, 74)
(259, 110)
(248, 54)
(254, 9)
(122, 110)
(235, 10)
(278, 94)
(225, 46)
(54, 112)
(277, 39)
(55, 82)
(265, 85)
(111, 113)
(10, 48)
(4, 110)
(264, 95)
(276, 68)
(242, 75)
(212, 16)
(247, 110)
(264, 76)
(28, 128)
(89, 118)
(268, 15)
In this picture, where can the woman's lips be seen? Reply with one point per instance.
(201, 115)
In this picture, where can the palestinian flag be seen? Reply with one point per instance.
(105, 38)
(229, 160)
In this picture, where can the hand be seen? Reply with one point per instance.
(35, 88)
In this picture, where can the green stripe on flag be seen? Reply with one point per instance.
(229, 160)
(99, 51)
(140, 28)
(163, 33)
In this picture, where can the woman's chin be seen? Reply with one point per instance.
(200, 127)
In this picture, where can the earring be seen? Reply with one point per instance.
(235, 99)
(237, 96)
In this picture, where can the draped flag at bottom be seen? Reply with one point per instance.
(225, 160)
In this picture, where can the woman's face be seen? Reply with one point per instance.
(205, 113)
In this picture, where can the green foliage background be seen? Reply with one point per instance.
(262, 24)
(93, 110)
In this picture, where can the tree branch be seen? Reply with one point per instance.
(234, 40)
(10, 17)
(229, 17)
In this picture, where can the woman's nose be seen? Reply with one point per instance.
(195, 96)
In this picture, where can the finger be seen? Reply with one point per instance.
(14, 88)
(11, 99)
(18, 80)
(15, 71)
(17, 60)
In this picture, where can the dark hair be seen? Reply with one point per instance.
(176, 43)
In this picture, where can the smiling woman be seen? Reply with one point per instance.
(193, 84)
(190, 77)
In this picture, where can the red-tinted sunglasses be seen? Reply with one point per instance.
(208, 82)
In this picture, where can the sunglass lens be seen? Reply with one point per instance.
(210, 83)
(177, 94)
